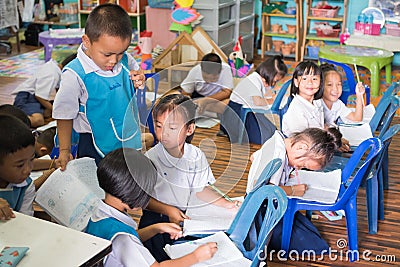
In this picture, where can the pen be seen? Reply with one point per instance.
(220, 192)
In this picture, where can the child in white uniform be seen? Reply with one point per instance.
(305, 110)
(333, 106)
(126, 187)
(183, 170)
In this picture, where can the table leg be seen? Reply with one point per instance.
(48, 49)
(388, 69)
(374, 69)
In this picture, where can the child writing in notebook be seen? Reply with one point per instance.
(305, 110)
(309, 149)
(334, 108)
(127, 177)
(254, 91)
(16, 161)
(97, 91)
(183, 170)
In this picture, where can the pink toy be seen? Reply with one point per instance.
(145, 47)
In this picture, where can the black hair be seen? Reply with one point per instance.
(211, 63)
(327, 67)
(68, 59)
(307, 68)
(14, 111)
(272, 67)
(110, 19)
(180, 103)
(127, 175)
(324, 143)
(46, 138)
(14, 135)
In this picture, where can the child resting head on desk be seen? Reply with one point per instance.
(16, 161)
(127, 177)
(183, 170)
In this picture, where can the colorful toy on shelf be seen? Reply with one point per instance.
(184, 17)
(145, 48)
(237, 61)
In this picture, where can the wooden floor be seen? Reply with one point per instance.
(230, 166)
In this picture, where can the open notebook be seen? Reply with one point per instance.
(70, 196)
(227, 254)
(321, 186)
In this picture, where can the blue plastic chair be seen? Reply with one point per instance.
(347, 198)
(393, 89)
(275, 109)
(384, 113)
(145, 115)
(55, 152)
(251, 229)
(349, 85)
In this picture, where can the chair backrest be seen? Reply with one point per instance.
(386, 139)
(384, 113)
(349, 85)
(55, 152)
(393, 89)
(352, 174)
(276, 106)
(250, 235)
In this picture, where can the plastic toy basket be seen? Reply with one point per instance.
(331, 33)
(326, 13)
(392, 29)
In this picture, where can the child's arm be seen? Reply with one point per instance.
(202, 253)
(64, 128)
(209, 195)
(295, 190)
(148, 232)
(6, 212)
(42, 164)
(45, 103)
(175, 215)
(39, 181)
(357, 115)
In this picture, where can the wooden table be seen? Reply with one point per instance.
(51, 244)
(374, 59)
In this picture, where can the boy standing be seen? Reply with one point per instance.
(16, 161)
(35, 95)
(97, 97)
(211, 82)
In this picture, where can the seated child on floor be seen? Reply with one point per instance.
(309, 149)
(127, 177)
(254, 91)
(16, 155)
(334, 108)
(34, 96)
(183, 170)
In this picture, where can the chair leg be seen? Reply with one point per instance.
(385, 169)
(287, 226)
(372, 204)
(381, 196)
(351, 223)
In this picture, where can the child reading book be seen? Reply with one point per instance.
(183, 170)
(127, 177)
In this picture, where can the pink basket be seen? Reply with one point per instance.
(327, 13)
(372, 29)
(392, 29)
(334, 33)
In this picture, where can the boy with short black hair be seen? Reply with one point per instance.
(45, 142)
(17, 152)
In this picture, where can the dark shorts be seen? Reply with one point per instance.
(28, 103)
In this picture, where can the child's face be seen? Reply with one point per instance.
(16, 167)
(308, 85)
(332, 86)
(298, 160)
(209, 77)
(107, 51)
(171, 130)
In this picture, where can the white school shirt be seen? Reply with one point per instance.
(29, 196)
(248, 87)
(73, 91)
(338, 109)
(194, 81)
(302, 115)
(179, 178)
(44, 81)
(273, 148)
(127, 249)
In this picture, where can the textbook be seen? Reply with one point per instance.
(356, 134)
(70, 196)
(321, 186)
(227, 254)
(206, 218)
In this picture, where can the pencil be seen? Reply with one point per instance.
(355, 68)
(52, 162)
(220, 192)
